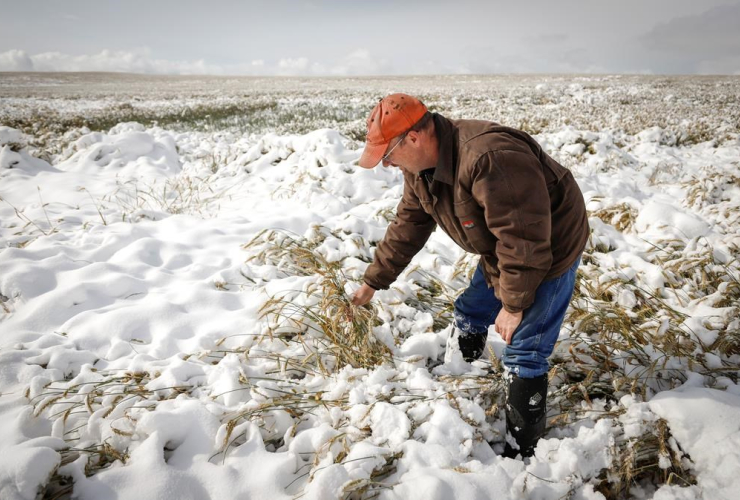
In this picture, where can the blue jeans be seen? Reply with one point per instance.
(534, 339)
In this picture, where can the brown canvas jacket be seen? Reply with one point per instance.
(496, 193)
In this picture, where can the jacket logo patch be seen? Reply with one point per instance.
(468, 224)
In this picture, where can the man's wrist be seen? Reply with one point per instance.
(513, 310)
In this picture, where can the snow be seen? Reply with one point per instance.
(12, 138)
(666, 217)
(25, 466)
(133, 322)
(707, 424)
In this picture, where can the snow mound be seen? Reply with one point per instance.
(127, 149)
(706, 423)
(13, 138)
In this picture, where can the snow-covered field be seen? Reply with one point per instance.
(174, 320)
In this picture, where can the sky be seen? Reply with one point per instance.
(383, 37)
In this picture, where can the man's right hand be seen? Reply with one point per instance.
(363, 295)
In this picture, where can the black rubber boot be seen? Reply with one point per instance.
(471, 345)
(526, 413)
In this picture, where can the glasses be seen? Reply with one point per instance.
(388, 154)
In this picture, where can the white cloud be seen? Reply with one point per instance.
(297, 67)
(138, 61)
(15, 60)
(361, 62)
(358, 62)
(291, 67)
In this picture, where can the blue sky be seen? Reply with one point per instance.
(335, 37)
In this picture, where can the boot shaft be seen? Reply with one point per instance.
(526, 413)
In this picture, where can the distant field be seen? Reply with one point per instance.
(697, 107)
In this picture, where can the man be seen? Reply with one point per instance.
(497, 194)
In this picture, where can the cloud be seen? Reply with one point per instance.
(298, 66)
(357, 62)
(362, 62)
(15, 60)
(706, 43)
(138, 61)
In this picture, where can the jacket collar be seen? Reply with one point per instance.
(446, 133)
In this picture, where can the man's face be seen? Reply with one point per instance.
(408, 152)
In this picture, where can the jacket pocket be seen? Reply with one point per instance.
(472, 224)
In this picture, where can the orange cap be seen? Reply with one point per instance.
(393, 115)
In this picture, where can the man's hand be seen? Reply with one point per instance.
(506, 323)
(363, 295)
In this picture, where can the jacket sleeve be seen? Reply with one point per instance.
(403, 239)
(511, 188)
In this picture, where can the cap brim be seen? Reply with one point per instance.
(372, 155)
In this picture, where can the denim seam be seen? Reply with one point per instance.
(474, 328)
(575, 265)
(490, 317)
(547, 312)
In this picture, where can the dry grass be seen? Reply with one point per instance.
(45, 227)
(434, 296)
(613, 351)
(654, 458)
(709, 187)
(643, 350)
(113, 394)
(622, 216)
(334, 332)
(367, 488)
(116, 398)
(184, 194)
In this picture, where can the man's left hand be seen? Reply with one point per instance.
(506, 323)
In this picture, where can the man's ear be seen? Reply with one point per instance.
(413, 136)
